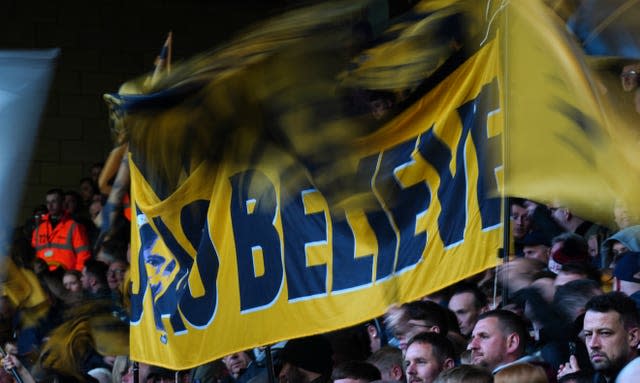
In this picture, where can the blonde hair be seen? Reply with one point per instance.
(521, 372)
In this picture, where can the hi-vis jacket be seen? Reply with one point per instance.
(65, 245)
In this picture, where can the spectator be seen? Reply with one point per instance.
(520, 220)
(593, 234)
(499, 338)
(627, 239)
(307, 360)
(71, 281)
(88, 189)
(355, 371)
(240, 367)
(623, 216)
(428, 354)
(611, 335)
(467, 303)
(573, 271)
(568, 247)
(536, 246)
(521, 372)
(627, 275)
(416, 317)
(115, 275)
(390, 363)
(94, 279)
(59, 240)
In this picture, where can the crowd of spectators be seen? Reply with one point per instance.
(564, 308)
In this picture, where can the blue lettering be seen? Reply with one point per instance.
(303, 229)
(253, 219)
(379, 222)
(452, 190)
(405, 203)
(474, 115)
(349, 272)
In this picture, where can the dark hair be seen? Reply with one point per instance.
(98, 270)
(517, 201)
(509, 323)
(573, 245)
(618, 302)
(589, 271)
(57, 191)
(387, 357)
(479, 298)
(570, 298)
(430, 312)
(356, 369)
(441, 347)
(581, 376)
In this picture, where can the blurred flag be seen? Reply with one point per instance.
(568, 141)
(24, 291)
(89, 328)
(25, 77)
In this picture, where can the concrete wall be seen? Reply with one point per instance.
(104, 43)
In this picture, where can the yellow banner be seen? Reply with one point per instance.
(218, 267)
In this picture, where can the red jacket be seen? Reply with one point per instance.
(64, 245)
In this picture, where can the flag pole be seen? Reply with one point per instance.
(270, 371)
(136, 372)
(506, 201)
(13, 370)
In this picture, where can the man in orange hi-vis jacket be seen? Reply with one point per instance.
(58, 239)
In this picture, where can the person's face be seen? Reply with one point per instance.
(488, 344)
(291, 374)
(86, 279)
(629, 77)
(421, 365)
(86, 191)
(409, 330)
(71, 283)
(623, 217)
(95, 172)
(54, 204)
(115, 274)
(618, 249)
(538, 252)
(610, 345)
(70, 204)
(520, 221)
(236, 363)
(559, 215)
(463, 305)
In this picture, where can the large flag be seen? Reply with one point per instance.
(240, 225)
(571, 132)
(239, 256)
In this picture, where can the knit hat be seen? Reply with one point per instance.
(628, 267)
(313, 353)
(561, 256)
